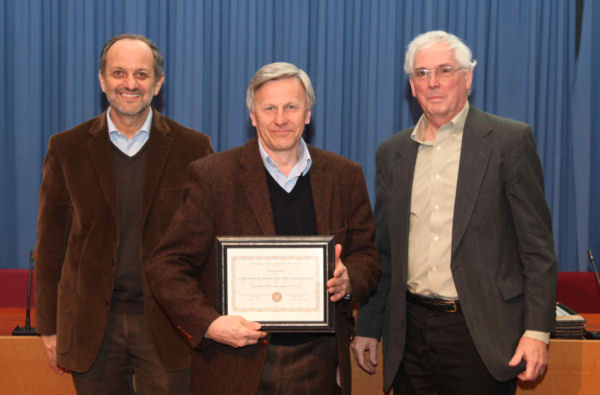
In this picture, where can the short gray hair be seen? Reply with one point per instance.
(426, 40)
(159, 60)
(279, 71)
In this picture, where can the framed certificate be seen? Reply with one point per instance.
(279, 281)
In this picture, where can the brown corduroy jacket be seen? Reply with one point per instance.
(227, 195)
(78, 234)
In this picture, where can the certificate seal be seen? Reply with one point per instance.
(276, 297)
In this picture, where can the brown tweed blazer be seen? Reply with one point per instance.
(78, 232)
(227, 194)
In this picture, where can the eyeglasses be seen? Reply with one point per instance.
(440, 72)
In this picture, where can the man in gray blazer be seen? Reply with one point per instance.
(466, 299)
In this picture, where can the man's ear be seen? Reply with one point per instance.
(307, 118)
(158, 84)
(101, 78)
(468, 79)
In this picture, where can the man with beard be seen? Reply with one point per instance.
(109, 189)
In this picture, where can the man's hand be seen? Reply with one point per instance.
(360, 346)
(535, 354)
(235, 331)
(50, 346)
(339, 285)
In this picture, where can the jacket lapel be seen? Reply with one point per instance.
(321, 185)
(254, 183)
(100, 149)
(403, 161)
(158, 147)
(474, 159)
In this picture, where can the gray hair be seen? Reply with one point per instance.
(279, 71)
(159, 61)
(426, 40)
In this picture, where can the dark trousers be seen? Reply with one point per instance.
(308, 368)
(128, 348)
(440, 357)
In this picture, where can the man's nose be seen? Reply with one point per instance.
(280, 117)
(433, 79)
(130, 82)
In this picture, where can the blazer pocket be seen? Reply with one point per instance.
(511, 287)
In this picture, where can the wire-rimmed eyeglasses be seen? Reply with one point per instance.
(440, 72)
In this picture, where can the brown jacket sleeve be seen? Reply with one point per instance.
(52, 234)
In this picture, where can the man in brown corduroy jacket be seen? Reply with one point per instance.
(110, 187)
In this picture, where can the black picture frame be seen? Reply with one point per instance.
(320, 251)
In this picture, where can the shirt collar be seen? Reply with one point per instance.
(302, 166)
(145, 128)
(457, 124)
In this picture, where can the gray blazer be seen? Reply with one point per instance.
(503, 261)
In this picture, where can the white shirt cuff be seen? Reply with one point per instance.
(537, 335)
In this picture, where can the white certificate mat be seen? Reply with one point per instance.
(277, 281)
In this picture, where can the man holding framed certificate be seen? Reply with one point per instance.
(220, 261)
